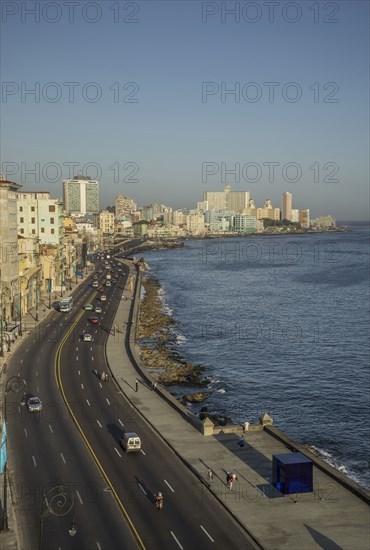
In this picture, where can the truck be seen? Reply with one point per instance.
(109, 276)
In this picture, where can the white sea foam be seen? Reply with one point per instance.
(221, 390)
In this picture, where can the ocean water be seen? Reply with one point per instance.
(281, 325)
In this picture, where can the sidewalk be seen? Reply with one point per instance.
(330, 517)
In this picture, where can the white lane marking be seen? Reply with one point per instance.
(173, 534)
(120, 422)
(168, 485)
(38, 389)
(208, 535)
(99, 423)
(24, 382)
(51, 429)
(92, 358)
(100, 385)
(25, 431)
(88, 402)
(79, 373)
(34, 460)
(142, 488)
(142, 452)
(38, 359)
(64, 460)
(79, 497)
(21, 361)
(107, 400)
(77, 348)
(98, 545)
(27, 350)
(117, 451)
(61, 324)
(76, 357)
(82, 387)
(37, 373)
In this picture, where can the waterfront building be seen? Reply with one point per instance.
(106, 222)
(81, 195)
(41, 218)
(294, 215)
(203, 206)
(323, 221)
(30, 275)
(304, 218)
(195, 223)
(219, 220)
(141, 228)
(9, 281)
(245, 224)
(124, 206)
(227, 199)
(287, 206)
(259, 213)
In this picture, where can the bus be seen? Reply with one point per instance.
(66, 304)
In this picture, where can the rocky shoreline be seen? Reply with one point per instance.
(157, 340)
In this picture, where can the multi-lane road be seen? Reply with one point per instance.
(66, 462)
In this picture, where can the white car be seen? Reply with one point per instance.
(103, 298)
(34, 404)
(87, 338)
(98, 309)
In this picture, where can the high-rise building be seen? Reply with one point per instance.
(287, 206)
(295, 215)
(124, 206)
(304, 218)
(81, 195)
(227, 199)
(40, 217)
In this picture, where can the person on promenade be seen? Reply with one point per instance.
(230, 478)
(210, 475)
(246, 426)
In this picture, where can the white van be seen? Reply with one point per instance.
(130, 441)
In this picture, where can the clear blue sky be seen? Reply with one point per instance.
(170, 132)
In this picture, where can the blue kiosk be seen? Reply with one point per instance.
(292, 473)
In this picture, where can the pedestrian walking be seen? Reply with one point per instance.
(154, 385)
(136, 385)
(230, 478)
(246, 426)
(210, 474)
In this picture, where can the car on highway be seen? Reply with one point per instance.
(95, 284)
(89, 307)
(98, 309)
(130, 442)
(34, 404)
(87, 337)
(103, 298)
(108, 283)
(101, 289)
(94, 320)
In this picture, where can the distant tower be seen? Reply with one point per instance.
(268, 204)
(287, 206)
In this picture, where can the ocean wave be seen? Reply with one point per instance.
(163, 299)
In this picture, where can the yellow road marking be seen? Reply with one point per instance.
(58, 378)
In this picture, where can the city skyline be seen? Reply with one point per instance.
(275, 105)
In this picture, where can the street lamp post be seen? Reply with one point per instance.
(37, 297)
(60, 501)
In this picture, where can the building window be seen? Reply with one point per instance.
(51, 220)
(33, 220)
(32, 208)
(42, 229)
(33, 231)
(21, 220)
(22, 230)
(21, 209)
(51, 208)
(52, 231)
